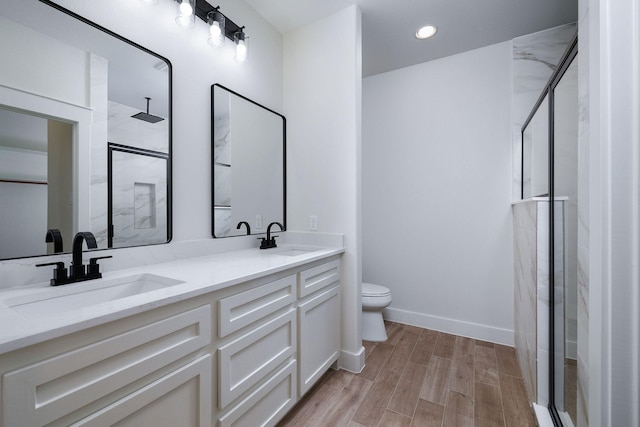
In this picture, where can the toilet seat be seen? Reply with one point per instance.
(371, 290)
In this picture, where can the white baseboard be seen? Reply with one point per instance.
(352, 362)
(451, 326)
(571, 349)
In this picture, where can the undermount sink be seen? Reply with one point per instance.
(294, 251)
(56, 300)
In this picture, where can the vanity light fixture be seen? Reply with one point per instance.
(216, 20)
(426, 32)
(242, 46)
(220, 26)
(186, 13)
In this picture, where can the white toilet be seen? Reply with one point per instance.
(375, 298)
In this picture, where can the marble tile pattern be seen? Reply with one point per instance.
(583, 214)
(535, 57)
(222, 185)
(222, 175)
(120, 128)
(222, 139)
(222, 221)
(99, 136)
(525, 304)
(133, 172)
(531, 293)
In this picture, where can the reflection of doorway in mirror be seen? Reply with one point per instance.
(36, 182)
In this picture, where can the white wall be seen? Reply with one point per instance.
(610, 92)
(322, 75)
(436, 163)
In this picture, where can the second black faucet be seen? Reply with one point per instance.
(270, 241)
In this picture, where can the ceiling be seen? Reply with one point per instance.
(388, 26)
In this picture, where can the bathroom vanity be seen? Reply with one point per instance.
(232, 339)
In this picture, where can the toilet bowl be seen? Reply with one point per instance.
(374, 299)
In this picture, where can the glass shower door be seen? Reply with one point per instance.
(565, 237)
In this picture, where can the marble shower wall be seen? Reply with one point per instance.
(139, 199)
(223, 215)
(525, 277)
(117, 126)
(583, 213)
(535, 57)
(531, 293)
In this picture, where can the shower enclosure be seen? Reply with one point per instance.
(550, 173)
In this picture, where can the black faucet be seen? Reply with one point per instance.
(270, 241)
(241, 223)
(77, 269)
(54, 236)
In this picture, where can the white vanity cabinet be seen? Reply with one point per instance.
(275, 341)
(150, 369)
(241, 355)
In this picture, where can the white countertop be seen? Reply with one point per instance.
(200, 275)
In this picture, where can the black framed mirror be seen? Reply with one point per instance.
(249, 165)
(68, 88)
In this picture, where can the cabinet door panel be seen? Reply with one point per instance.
(319, 277)
(181, 398)
(240, 310)
(319, 326)
(248, 359)
(267, 404)
(40, 393)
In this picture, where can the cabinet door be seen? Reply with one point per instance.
(181, 398)
(319, 336)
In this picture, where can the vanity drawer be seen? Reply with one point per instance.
(237, 311)
(245, 361)
(43, 392)
(318, 277)
(181, 398)
(267, 404)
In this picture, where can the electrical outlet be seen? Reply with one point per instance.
(259, 222)
(313, 222)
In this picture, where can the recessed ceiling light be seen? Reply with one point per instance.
(426, 32)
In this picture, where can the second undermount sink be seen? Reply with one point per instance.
(57, 300)
(294, 251)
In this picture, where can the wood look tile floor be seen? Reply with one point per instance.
(420, 377)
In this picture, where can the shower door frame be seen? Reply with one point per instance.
(548, 92)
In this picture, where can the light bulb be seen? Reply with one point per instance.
(185, 8)
(215, 30)
(241, 51)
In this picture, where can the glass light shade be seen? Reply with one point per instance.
(242, 46)
(216, 29)
(150, 2)
(186, 13)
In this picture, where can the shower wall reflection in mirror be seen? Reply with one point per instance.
(248, 164)
(68, 88)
